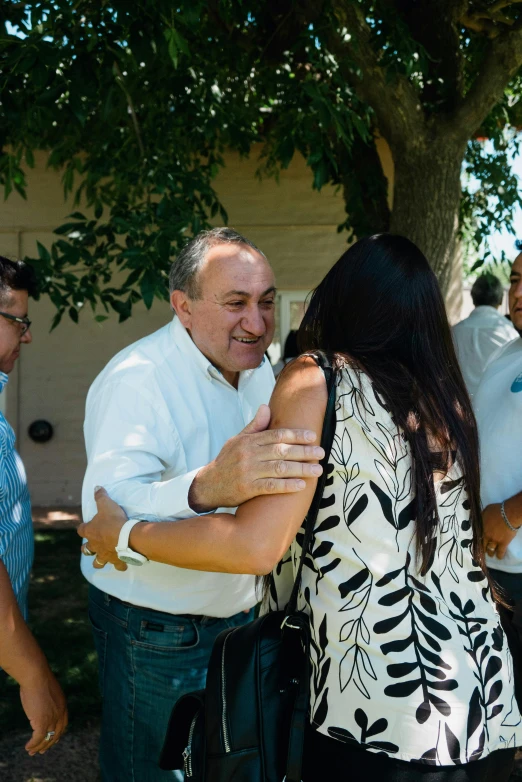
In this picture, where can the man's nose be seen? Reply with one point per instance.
(253, 322)
(27, 337)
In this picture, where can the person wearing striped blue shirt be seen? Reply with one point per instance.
(20, 656)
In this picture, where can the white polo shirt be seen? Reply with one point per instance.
(477, 338)
(156, 414)
(498, 407)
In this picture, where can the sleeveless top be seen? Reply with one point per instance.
(415, 666)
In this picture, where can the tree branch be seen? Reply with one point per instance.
(121, 82)
(500, 65)
(490, 20)
(394, 100)
(501, 5)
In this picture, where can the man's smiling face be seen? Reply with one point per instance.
(232, 320)
(515, 293)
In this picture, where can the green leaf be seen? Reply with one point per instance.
(286, 151)
(133, 277)
(172, 47)
(43, 252)
(321, 174)
(73, 314)
(360, 127)
(148, 287)
(123, 308)
(100, 318)
(181, 42)
(56, 320)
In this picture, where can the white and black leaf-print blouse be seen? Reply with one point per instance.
(414, 666)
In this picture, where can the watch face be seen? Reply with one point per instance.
(129, 559)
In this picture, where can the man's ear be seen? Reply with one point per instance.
(181, 304)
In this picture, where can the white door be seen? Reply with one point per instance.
(290, 308)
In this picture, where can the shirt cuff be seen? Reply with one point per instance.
(170, 498)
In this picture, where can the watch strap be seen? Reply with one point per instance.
(123, 539)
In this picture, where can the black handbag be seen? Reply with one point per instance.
(248, 724)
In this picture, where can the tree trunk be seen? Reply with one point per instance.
(365, 188)
(426, 201)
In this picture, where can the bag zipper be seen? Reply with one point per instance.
(226, 740)
(187, 752)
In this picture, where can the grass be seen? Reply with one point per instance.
(58, 619)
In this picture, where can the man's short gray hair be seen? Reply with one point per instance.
(487, 290)
(184, 271)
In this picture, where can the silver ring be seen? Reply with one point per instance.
(491, 549)
(87, 551)
(99, 563)
(49, 735)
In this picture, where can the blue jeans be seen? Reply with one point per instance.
(147, 660)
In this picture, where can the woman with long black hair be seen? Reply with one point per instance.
(411, 674)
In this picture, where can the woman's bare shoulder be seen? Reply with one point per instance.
(300, 396)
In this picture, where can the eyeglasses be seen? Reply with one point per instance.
(25, 322)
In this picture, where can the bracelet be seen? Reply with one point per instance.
(506, 520)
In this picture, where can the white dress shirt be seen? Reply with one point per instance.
(477, 338)
(498, 408)
(156, 414)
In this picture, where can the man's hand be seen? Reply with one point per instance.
(103, 531)
(497, 535)
(44, 704)
(257, 461)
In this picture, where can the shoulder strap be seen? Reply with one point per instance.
(327, 437)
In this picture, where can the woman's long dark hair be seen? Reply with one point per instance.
(381, 307)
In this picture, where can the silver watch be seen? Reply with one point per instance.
(123, 550)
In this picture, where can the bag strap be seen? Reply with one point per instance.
(299, 720)
(327, 437)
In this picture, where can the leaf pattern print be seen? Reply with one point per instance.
(320, 665)
(320, 550)
(487, 666)
(354, 502)
(426, 668)
(452, 545)
(356, 664)
(392, 645)
(354, 403)
(367, 732)
(512, 718)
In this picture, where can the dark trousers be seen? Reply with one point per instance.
(511, 590)
(510, 584)
(147, 660)
(329, 760)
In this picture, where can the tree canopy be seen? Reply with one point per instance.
(136, 104)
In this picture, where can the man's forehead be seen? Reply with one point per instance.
(15, 300)
(517, 264)
(229, 268)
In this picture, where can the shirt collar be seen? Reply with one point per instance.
(485, 308)
(3, 380)
(187, 346)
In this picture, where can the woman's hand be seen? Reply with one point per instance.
(103, 531)
(44, 704)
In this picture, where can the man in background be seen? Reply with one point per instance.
(20, 656)
(498, 407)
(482, 333)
